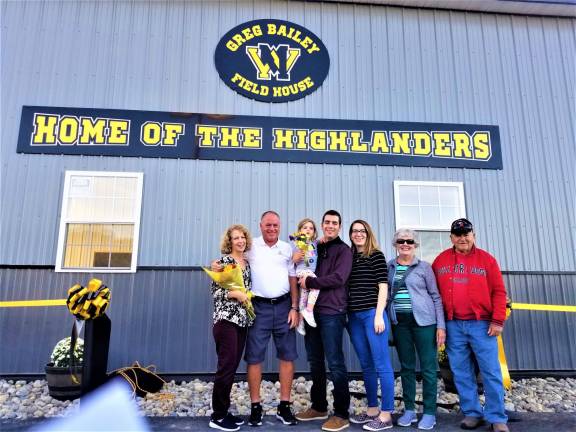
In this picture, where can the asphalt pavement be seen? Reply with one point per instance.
(520, 422)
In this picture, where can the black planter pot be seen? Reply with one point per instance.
(448, 378)
(61, 386)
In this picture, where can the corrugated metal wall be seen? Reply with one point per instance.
(165, 318)
(387, 63)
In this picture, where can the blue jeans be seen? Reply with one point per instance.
(374, 355)
(464, 338)
(325, 341)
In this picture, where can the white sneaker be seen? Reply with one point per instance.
(309, 317)
(300, 328)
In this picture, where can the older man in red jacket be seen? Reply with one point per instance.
(474, 299)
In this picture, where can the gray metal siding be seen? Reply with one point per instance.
(165, 318)
(387, 63)
(159, 317)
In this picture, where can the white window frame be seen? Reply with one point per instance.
(64, 220)
(424, 227)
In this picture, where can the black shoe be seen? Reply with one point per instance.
(237, 420)
(471, 423)
(285, 414)
(255, 415)
(224, 424)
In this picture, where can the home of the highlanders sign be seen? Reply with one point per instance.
(105, 132)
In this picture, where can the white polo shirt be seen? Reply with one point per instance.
(270, 268)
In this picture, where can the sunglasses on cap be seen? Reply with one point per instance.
(405, 241)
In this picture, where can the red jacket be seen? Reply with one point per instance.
(475, 277)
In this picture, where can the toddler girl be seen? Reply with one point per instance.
(306, 265)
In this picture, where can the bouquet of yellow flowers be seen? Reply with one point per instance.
(230, 278)
(302, 242)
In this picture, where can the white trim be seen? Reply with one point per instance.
(64, 221)
(423, 227)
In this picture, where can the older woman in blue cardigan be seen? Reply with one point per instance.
(415, 310)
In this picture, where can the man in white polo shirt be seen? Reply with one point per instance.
(276, 306)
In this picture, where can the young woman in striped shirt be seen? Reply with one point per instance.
(368, 325)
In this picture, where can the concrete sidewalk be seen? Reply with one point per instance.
(521, 422)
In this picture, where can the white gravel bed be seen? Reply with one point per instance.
(21, 399)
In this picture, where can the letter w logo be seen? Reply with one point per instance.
(271, 61)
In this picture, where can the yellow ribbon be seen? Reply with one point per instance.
(33, 303)
(543, 307)
(503, 364)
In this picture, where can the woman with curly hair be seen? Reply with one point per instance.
(231, 323)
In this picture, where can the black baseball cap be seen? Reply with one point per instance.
(461, 226)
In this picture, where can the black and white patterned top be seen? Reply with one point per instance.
(230, 309)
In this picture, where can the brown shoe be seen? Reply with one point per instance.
(311, 414)
(500, 427)
(335, 424)
(470, 423)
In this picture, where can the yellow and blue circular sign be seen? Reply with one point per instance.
(272, 60)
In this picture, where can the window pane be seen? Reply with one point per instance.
(102, 236)
(78, 234)
(99, 213)
(98, 245)
(80, 209)
(429, 195)
(87, 230)
(437, 204)
(101, 259)
(446, 242)
(432, 243)
(104, 186)
(74, 235)
(123, 209)
(449, 215)
(85, 256)
(80, 186)
(409, 216)
(120, 259)
(430, 216)
(102, 208)
(125, 187)
(449, 196)
(103, 199)
(408, 195)
(105, 234)
(122, 241)
(72, 256)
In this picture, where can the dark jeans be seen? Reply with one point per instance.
(409, 337)
(230, 340)
(325, 342)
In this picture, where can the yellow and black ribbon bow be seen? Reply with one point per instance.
(85, 303)
(88, 302)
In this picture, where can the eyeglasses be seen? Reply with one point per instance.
(358, 231)
(405, 241)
